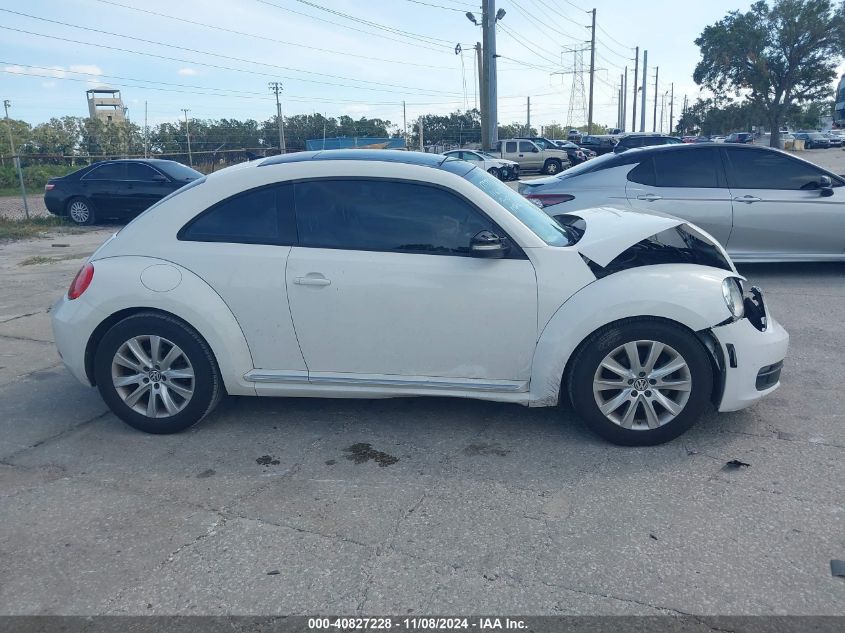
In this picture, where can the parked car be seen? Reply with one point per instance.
(531, 157)
(574, 135)
(812, 140)
(498, 167)
(834, 140)
(571, 154)
(740, 137)
(762, 204)
(689, 138)
(598, 144)
(576, 154)
(718, 138)
(114, 189)
(631, 141)
(387, 274)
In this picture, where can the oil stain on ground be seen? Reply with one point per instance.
(266, 460)
(363, 452)
(486, 449)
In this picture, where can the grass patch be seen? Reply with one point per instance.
(51, 259)
(24, 229)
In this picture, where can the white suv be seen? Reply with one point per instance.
(371, 274)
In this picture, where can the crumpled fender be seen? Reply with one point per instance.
(688, 294)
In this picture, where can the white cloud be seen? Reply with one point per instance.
(88, 69)
(52, 71)
(188, 72)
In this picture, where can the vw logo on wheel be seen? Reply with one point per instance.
(155, 375)
(641, 384)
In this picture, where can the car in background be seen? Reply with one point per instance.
(498, 167)
(719, 138)
(598, 144)
(574, 135)
(631, 141)
(702, 139)
(689, 138)
(374, 274)
(740, 137)
(834, 140)
(576, 154)
(115, 189)
(762, 204)
(812, 140)
(531, 156)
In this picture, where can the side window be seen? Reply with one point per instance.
(686, 168)
(510, 147)
(258, 216)
(137, 171)
(643, 173)
(770, 170)
(526, 147)
(472, 156)
(109, 171)
(381, 215)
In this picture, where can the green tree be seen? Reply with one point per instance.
(777, 55)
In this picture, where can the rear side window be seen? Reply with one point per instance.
(510, 147)
(382, 215)
(258, 216)
(686, 168)
(137, 171)
(109, 171)
(643, 173)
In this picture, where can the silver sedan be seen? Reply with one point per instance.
(762, 204)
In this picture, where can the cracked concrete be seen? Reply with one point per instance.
(490, 508)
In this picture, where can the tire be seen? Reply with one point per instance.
(589, 382)
(552, 167)
(179, 401)
(494, 171)
(80, 211)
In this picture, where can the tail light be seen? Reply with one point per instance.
(544, 200)
(49, 186)
(81, 282)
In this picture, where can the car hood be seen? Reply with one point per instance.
(611, 231)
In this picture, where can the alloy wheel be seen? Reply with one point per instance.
(79, 211)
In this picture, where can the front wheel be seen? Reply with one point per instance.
(156, 373)
(640, 383)
(552, 167)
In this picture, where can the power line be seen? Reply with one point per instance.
(202, 52)
(535, 21)
(269, 39)
(438, 6)
(426, 92)
(611, 37)
(518, 39)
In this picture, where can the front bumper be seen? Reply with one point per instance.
(751, 361)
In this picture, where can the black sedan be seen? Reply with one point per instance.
(812, 140)
(599, 144)
(119, 189)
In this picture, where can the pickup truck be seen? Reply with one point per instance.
(531, 156)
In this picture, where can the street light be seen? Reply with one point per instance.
(471, 18)
(500, 14)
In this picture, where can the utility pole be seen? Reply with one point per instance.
(656, 72)
(644, 89)
(482, 95)
(662, 109)
(188, 134)
(671, 107)
(17, 160)
(619, 115)
(528, 118)
(624, 99)
(592, 73)
(422, 143)
(636, 78)
(489, 17)
(276, 88)
(404, 128)
(146, 133)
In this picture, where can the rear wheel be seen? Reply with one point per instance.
(80, 211)
(641, 382)
(156, 373)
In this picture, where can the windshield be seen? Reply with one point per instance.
(486, 155)
(545, 143)
(541, 224)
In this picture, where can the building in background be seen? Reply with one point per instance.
(105, 104)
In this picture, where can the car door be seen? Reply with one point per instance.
(529, 156)
(144, 186)
(382, 284)
(103, 187)
(778, 208)
(687, 182)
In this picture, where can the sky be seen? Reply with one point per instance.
(393, 51)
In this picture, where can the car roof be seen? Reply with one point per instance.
(375, 155)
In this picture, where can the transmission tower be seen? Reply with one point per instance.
(577, 114)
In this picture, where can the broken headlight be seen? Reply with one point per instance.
(732, 292)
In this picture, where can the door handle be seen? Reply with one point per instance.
(747, 199)
(312, 281)
(650, 197)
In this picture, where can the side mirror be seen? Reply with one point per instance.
(825, 186)
(488, 245)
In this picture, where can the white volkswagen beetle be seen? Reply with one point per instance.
(372, 274)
